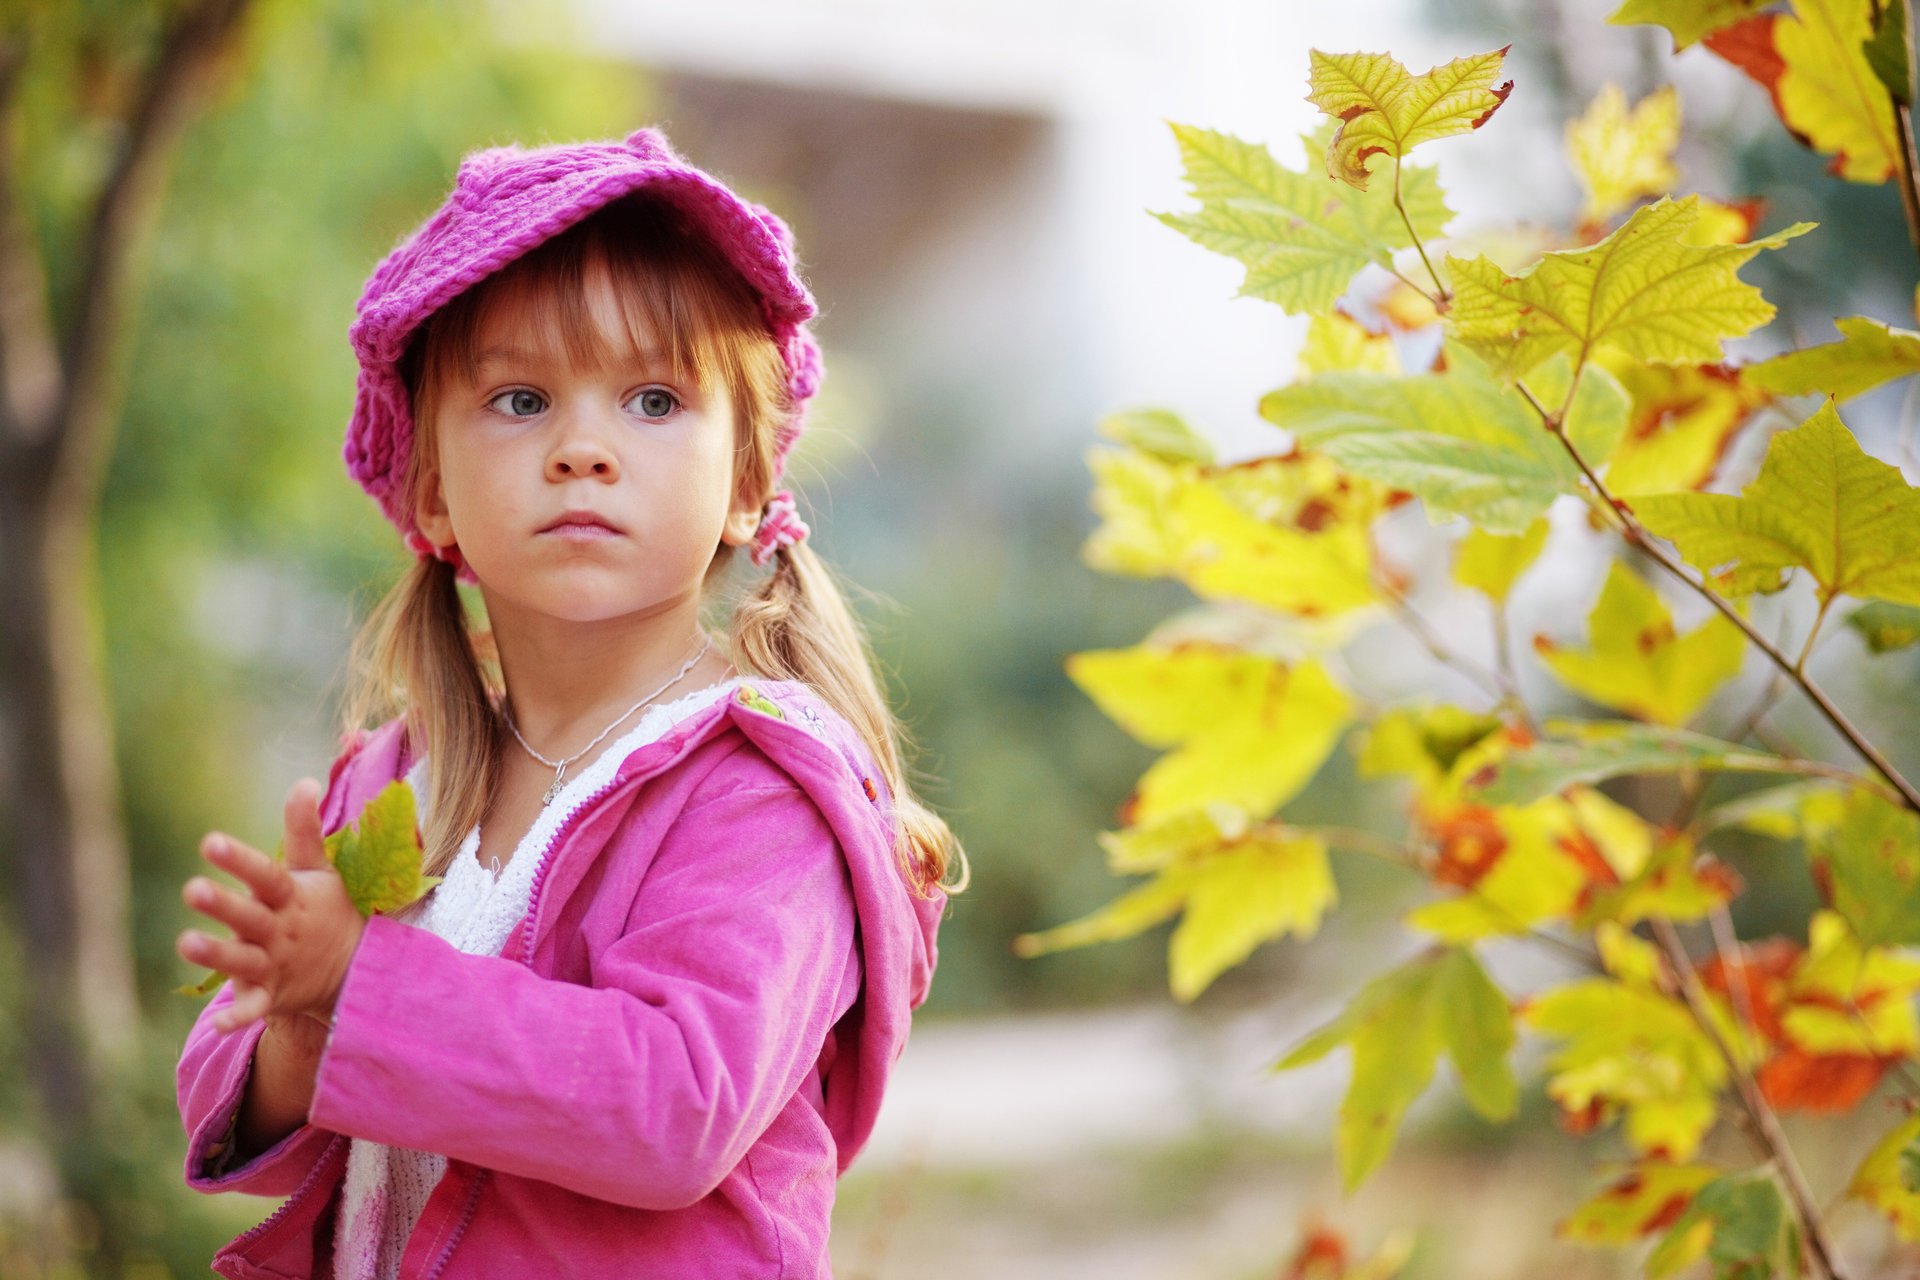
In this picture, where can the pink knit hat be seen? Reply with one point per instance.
(504, 202)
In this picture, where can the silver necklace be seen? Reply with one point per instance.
(560, 766)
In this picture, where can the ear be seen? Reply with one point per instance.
(742, 522)
(431, 514)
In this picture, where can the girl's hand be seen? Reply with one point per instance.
(293, 936)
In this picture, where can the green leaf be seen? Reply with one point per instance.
(1398, 1025)
(1651, 291)
(1869, 353)
(1460, 440)
(1870, 862)
(1740, 1222)
(1820, 503)
(1156, 431)
(1301, 237)
(1688, 20)
(1886, 627)
(1778, 812)
(1384, 109)
(1886, 1178)
(1888, 55)
(1591, 751)
(379, 857)
(1638, 663)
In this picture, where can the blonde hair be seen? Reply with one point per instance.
(419, 654)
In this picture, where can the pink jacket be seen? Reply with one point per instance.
(673, 1058)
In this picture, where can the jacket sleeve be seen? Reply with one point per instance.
(211, 1078)
(647, 1087)
(211, 1081)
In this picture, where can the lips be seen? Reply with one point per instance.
(583, 522)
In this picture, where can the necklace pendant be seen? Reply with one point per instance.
(553, 788)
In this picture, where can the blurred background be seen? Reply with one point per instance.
(970, 186)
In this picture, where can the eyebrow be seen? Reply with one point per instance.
(519, 355)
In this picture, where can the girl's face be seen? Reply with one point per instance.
(528, 439)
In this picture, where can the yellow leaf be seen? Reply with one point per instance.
(1637, 662)
(1645, 291)
(1633, 1049)
(1846, 998)
(1288, 534)
(1878, 1180)
(1383, 108)
(1688, 20)
(1336, 341)
(1157, 432)
(1530, 874)
(1421, 742)
(1621, 155)
(1642, 1201)
(1243, 896)
(1868, 354)
(1828, 92)
(1820, 503)
(1247, 730)
(1492, 562)
(1676, 882)
(1177, 837)
(1683, 419)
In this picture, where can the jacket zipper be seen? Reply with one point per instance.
(526, 958)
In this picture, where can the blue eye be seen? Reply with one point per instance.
(655, 402)
(525, 403)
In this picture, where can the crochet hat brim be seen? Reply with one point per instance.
(507, 201)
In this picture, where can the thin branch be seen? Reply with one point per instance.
(1638, 536)
(1766, 1124)
(1411, 619)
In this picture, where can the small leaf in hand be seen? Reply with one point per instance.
(379, 858)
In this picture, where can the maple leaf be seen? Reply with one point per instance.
(1649, 290)
(1620, 155)
(1398, 1025)
(1886, 627)
(1688, 20)
(1865, 852)
(1589, 751)
(1819, 503)
(1740, 1223)
(1491, 562)
(1647, 1198)
(1881, 1179)
(1637, 662)
(1830, 94)
(1682, 421)
(1246, 729)
(378, 857)
(1238, 887)
(1337, 342)
(1461, 441)
(1161, 434)
(1385, 109)
(1287, 534)
(1634, 1049)
(1868, 354)
(1301, 238)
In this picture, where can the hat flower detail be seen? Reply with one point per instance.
(780, 526)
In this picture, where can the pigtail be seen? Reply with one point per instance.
(416, 655)
(797, 626)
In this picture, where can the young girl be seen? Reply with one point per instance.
(689, 899)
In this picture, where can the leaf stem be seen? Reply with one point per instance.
(1766, 1123)
(1440, 297)
(1637, 535)
(1404, 610)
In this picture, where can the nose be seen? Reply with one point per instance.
(581, 449)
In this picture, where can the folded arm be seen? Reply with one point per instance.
(647, 1087)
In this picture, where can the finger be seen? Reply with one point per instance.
(305, 847)
(248, 1006)
(238, 911)
(241, 959)
(268, 879)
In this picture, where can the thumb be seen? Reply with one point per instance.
(305, 848)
